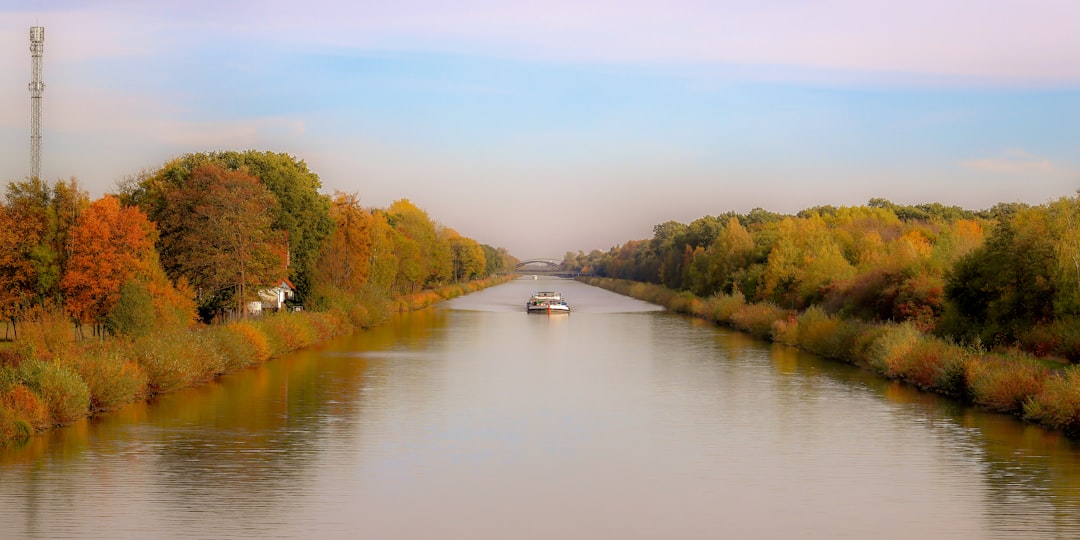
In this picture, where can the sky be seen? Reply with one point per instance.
(555, 126)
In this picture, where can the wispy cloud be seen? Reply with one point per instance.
(1000, 41)
(1018, 162)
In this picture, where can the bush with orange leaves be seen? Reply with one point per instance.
(26, 406)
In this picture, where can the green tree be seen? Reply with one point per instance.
(495, 260)
(1007, 285)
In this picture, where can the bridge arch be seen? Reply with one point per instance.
(546, 267)
(546, 264)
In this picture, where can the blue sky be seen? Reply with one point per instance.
(555, 126)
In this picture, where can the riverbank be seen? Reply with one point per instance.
(49, 379)
(1010, 382)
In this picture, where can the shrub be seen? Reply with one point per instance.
(10, 358)
(681, 302)
(12, 427)
(167, 359)
(887, 350)
(727, 305)
(207, 360)
(111, 379)
(9, 376)
(46, 333)
(1068, 331)
(817, 331)
(701, 309)
(236, 352)
(786, 331)
(1060, 338)
(286, 332)
(324, 325)
(63, 392)
(951, 377)
(26, 406)
(758, 319)
(1003, 384)
(920, 364)
(1057, 405)
(251, 341)
(866, 335)
(133, 314)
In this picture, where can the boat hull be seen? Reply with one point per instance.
(548, 308)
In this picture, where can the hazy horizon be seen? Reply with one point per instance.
(554, 127)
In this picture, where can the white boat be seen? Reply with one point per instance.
(547, 302)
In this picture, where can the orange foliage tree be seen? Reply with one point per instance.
(345, 260)
(109, 245)
(19, 236)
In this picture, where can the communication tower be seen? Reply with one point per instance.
(37, 49)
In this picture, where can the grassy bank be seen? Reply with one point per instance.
(1010, 382)
(49, 379)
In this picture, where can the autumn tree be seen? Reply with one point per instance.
(29, 203)
(346, 259)
(416, 246)
(668, 249)
(216, 232)
(384, 259)
(469, 261)
(730, 252)
(804, 263)
(68, 203)
(109, 245)
(36, 219)
(301, 212)
(18, 277)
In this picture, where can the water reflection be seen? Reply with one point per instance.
(1031, 475)
(477, 420)
(240, 447)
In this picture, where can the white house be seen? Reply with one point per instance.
(274, 298)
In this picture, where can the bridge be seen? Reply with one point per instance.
(546, 267)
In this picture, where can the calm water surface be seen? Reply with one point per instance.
(477, 420)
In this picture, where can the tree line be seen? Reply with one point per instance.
(1004, 277)
(199, 237)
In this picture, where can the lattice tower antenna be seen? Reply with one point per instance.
(37, 50)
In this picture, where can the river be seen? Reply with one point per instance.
(475, 420)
